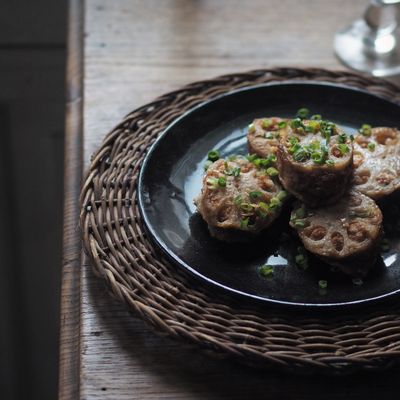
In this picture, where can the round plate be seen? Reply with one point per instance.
(171, 177)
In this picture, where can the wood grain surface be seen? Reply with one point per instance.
(133, 52)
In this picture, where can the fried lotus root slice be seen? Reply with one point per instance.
(240, 198)
(377, 162)
(315, 161)
(346, 234)
(264, 134)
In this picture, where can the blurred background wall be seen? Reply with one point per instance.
(32, 73)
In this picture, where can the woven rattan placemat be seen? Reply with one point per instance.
(180, 306)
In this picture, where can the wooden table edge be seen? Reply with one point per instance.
(69, 355)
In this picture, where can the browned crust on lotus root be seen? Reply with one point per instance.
(262, 140)
(315, 184)
(346, 234)
(377, 168)
(224, 213)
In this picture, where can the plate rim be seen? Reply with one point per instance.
(212, 283)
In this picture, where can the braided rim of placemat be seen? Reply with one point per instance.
(180, 306)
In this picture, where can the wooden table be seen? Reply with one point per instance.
(122, 54)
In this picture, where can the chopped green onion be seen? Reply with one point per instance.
(244, 223)
(232, 157)
(365, 130)
(317, 158)
(266, 271)
(282, 124)
(252, 157)
(330, 163)
(238, 200)
(313, 126)
(263, 209)
(343, 148)
(295, 123)
(299, 224)
(222, 181)
(302, 113)
(282, 195)
(207, 165)
(300, 212)
(212, 183)
(271, 171)
(251, 128)
(322, 284)
(342, 138)
(266, 123)
(246, 207)
(272, 158)
(301, 154)
(371, 146)
(269, 135)
(274, 202)
(256, 194)
(316, 117)
(213, 155)
(293, 140)
(301, 258)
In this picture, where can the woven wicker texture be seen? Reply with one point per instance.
(178, 305)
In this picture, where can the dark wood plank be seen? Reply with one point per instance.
(70, 293)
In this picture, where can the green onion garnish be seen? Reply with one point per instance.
(301, 154)
(300, 212)
(271, 171)
(296, 123)
(316, 117)
(266, 123)
(343, 148)
(342, 138)
(317, 158)
(255, 195)
(212, 183)
(274, 202)
(365, 130)
(330, 163)
(246, 207)
(269, 135)
(322, 284)
(213, 155)
(282, 124)
(252, 157)
(238, 200)
(266, 271)
(222, 181)
(251, 128)
(371, 146)
(299, 224)
(272, 158)
(302, 113)
(207, 165)
(244, 223)
(282, 195)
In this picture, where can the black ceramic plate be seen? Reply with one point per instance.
(171, 177)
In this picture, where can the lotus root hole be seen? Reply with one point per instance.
(385, 178)
(384, 135)
(361, 177)
(357, 232)
(337, 241)
(315, 232)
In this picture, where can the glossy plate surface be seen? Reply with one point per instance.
(171, 177)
